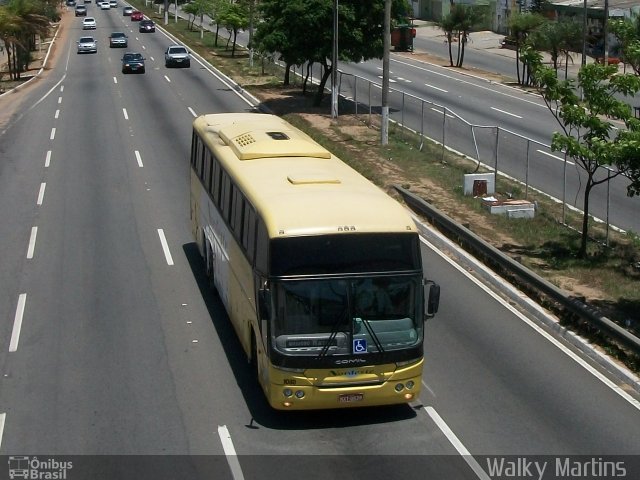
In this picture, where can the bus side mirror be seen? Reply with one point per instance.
(431, 298)
(264, 303)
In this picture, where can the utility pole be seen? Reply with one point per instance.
(605, 32)
(584, 35)
(252, 11)
(386, 31)
(334, 63)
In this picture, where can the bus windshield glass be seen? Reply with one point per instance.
(347, 316)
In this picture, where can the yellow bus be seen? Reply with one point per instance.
(319, 270)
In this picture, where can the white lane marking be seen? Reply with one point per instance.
(230, 452)
(61, 88)
(59, 100)
(490, 89)
(391, 80)
(505, 112)
(547, 336)
(555, 157)
(152, 59)
(57, 114)
(17, 323)
(436, 88)
(53, 133)
(192, 111)
(126, 115)
(165, 247)
(139, 158)
(32, 242)
(440, 112)
(41, 193)
(115, 80)
(466, 456)
(47, 160)
(3, 417)
(167, 79)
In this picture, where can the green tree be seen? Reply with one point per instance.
(559, 38)
(628, 34)
(198, 9)
(307, 37)
(587, 136)
(234, 16)
(21, 21)
(521, 26)
(458, 24)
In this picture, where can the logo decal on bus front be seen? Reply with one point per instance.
(351, 360)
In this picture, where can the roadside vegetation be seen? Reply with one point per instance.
(601, 268)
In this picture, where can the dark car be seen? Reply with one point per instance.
(136, 16)
(118, 39)
(81, 11)
(132, 62)
(147, 26)
(177, 56)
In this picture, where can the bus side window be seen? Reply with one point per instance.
(206, 174)
(262, 248)
(216, 182)
(238, 211)
(249, 231)
(225, 199)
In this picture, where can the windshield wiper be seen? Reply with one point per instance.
(334, 332)
(374, 337)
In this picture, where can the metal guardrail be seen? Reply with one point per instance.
(474, 243)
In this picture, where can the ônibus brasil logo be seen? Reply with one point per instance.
(32, 468)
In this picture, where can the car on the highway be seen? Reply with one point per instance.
(132, 62)
(146, 26)
(127, 11)
(71, 3)
(136, 16)
(118, 39)
(177, 56)
(89, 23)
(87, 45)
(113, 3)
(105, 6)
(81, 11)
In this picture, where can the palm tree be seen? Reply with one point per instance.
(522, 25)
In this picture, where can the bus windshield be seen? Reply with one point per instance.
(346, 316)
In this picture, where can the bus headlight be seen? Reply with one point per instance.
(299, 394)
(399, 387)
(410, 384)
(287, 392)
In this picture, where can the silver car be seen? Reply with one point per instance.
(87, 45)
(177, 56)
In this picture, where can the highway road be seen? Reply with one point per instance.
(113, 345)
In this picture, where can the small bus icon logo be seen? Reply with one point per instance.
(18, 467)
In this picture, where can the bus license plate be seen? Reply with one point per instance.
(350, 397)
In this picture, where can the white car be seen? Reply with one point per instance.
(89, 23)
(105, 6)
(113, 3)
